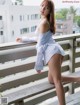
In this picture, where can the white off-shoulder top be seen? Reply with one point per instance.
(46, 47)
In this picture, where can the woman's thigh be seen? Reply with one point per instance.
(54, 68)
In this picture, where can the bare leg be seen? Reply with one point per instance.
(55, 72)
(64, 78)
(69, 78)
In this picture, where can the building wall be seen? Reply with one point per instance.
(65, 26)
(18, 21)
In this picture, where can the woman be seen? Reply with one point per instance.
(49, 51)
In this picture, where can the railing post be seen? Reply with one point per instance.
(72, 62)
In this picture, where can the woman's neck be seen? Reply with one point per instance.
(43, 17)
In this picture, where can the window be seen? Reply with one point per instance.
(12, 18)
(23, 17)
(0, 17)
(24, 31)
(20, 18)
(21, 31)
(33, 28)
(12, 33)
(34, 16)
(65, 26)
(27, 17)
(1, 32)
(59, 26)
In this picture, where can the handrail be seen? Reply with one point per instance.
(57, 38)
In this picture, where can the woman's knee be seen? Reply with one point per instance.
(50, 79)
(57, 80)
(54, 80)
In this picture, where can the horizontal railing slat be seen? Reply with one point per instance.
(9, 45)
(16, 69)
(38, 88)
(10, 55)
(16, 82)
(77, 64)
(22, 66)
(77, 54)
(14, 54)
(43, 96)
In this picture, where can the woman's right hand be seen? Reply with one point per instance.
(38, 71)
(18, 39)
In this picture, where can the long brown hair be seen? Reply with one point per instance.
(51, 16)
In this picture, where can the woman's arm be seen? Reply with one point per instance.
(26, 39)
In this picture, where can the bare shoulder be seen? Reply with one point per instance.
(44, 26)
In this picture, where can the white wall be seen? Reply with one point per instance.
(7, 11)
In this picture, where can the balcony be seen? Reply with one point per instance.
(20, 82)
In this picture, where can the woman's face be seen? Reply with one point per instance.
(44, 10)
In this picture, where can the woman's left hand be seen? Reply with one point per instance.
(38, 71)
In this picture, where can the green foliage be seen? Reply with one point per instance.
(72, 10)
(21, 1)
(78, 22)
(59, 16)
(76, 18)
(62, 14)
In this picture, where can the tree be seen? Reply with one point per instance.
(20, 1)
(73, 11)
(61, 14)
(78, 22)
(64, 12)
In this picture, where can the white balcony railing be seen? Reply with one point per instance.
(17, 69)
